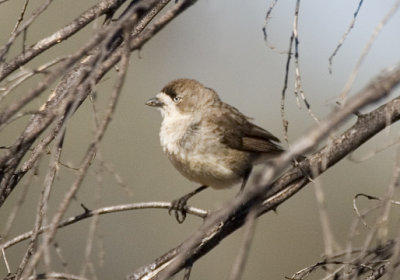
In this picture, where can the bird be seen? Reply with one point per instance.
(207, 140)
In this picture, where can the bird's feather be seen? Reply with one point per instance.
(239, 133)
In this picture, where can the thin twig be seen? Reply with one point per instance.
(21, 16)
(44, 44)
(339, 45)
(25, 74)
(298, 84)
(17, 206)
(14, 34)
(56, 275)
(244, 249)
(365, 212)
(264, 29)
(371, 154)
(41, 213)
(3, 253)
(365, 51)
(102, 211)
(330, 244)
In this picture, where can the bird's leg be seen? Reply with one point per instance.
(245, 178)
(179, 205)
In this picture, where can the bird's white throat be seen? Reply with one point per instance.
(173, 129)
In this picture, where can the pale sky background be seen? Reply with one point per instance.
(219, 43)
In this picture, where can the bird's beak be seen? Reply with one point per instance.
(154, 102)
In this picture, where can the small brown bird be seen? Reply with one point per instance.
(207, 140)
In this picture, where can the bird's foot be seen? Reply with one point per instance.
(178, 206)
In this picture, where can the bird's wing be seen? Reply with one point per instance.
(256, 139)
(239, 133)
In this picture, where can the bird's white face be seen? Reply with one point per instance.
(169, 107)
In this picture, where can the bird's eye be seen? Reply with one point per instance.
(177, 99)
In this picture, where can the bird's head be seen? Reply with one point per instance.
(183, 96)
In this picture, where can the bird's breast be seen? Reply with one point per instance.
(172, 133)
(198, 154)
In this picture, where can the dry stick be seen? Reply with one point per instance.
(118, 178)
(164, 19)
(87, 262)
(330, 243)
(379, 230)
(383, 218)
(186, 275)
(285, 122)
(25, 74)
(244, 249)
(57, 275)
(5, 260)
(267, 18)
(124, 63)
(369, 155)
(303, 273)
(21, 16)
(365, 51)
(102, 211)
(264, 29)
(361, 215)
(230, 217)
(375, 261)
(394, 260)
(23, 28)
(42, 207)
(339, 45)
(352, 233)
(17, 206)
(380, 224)
(48, 185)
(104, 7)
(92, 270)
(61, 257)
(45, 83)
(298, 88)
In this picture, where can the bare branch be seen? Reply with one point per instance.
(57, 275)
(339, 45)
(23, 28)
(104, 7)
(249, 228)
(101, 211)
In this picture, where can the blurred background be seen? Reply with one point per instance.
(221, 44)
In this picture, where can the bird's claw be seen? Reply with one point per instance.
(179, 207)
